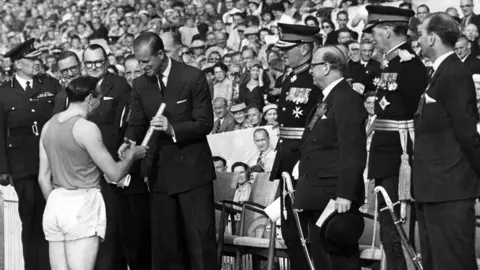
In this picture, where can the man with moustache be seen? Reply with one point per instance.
(182, 173)
(298, 96)
(402, 80)
(447, 153)
(26, 103)
(134, 206)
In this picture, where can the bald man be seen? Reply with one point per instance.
(181, 170)
(332, 160)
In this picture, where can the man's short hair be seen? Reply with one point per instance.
(335, 57)
(128, 58)
(444, 26)
(217, 158)
(261, 130)
(66, 54)
(75, 37)
(311, 18)
(399, 28)
(80, 88)
(366, 42)
(344, 30)
(462, 38)
(224, 100)
(154, 42)
(94, 47)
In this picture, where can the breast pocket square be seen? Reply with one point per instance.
(181, 101)
(324, 117)
(429, 100)
(107, 98)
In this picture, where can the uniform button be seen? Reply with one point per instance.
(281, 141)
(283, 109)
(9, 145)
(13, 108)
(33, 110)
(281, 125)
(30, 99)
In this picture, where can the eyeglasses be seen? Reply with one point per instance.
(466, 6)
(97, 64)
(72, 69)
(312, 65)
(326, 26)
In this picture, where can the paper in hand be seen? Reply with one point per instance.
(326, 213)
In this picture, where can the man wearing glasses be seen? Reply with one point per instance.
(468, 15)
(26, 103)
(116, 93)
(70, 68)
(298, 96)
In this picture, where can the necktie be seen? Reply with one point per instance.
(217, 126)
(431, 71)
(161, 85)
(28, 88)
(259, 159)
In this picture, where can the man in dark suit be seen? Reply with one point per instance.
(333, 157)
(372, 66)
(299, 95)
(69, 67)
(468, 15)
(464, 52)
(447, 153)
(402, 80)
(115, 91)
(225, 121)
(182, 174)
(134, 203)
(26, 103)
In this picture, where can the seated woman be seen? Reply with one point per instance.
(270, 114)
(240, 115)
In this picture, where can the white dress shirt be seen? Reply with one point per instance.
(23, 82)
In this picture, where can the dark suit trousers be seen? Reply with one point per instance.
(110, 255)
(31, 205)
(388, 233)
(183, 230)
(321, 258)
(292, 237)
(447, 235)
(135, 230)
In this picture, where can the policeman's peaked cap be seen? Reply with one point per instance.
(23, 50)
(293, 34)
(385, 14)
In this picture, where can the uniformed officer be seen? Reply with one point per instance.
(26, 103)
(299, 95)
(401, 83)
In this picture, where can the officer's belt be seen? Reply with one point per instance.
(291, 133)
(393, 125)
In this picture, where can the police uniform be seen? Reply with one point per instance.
(26, 105)
(299, 95)
(401, 83)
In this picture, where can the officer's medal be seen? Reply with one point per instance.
(321, 110)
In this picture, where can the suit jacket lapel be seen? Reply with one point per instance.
(173, 90)
(107, 84)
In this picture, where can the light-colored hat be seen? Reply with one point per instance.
(238, 107)
(268, 107)
(198, 44)
(143, 12)
(214, 49)
(476, 78)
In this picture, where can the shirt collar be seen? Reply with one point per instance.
(465, 58)
(23, 82)
(329, 88)
(167, 70)
(440, 59)
(392, 49)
